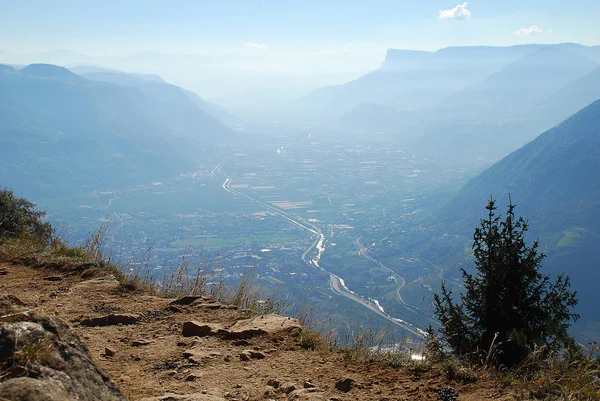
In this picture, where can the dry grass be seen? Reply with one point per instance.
(572, 375)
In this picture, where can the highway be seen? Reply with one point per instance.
(363, 252)
(336, 283)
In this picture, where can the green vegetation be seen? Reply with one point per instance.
(20, 218)
(220, 242)
(509, 309)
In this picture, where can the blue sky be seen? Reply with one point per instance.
(144, 25)
(328, 38)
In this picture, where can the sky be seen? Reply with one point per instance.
(223, 47)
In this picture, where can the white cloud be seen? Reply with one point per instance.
(256, 46)
(458, 12)
(531, 30)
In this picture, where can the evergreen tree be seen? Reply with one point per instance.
(508, 304)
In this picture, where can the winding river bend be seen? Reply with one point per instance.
(336, 283)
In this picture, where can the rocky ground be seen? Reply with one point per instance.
(194, 348)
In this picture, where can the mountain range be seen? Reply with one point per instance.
(62, 128)
(464, 101)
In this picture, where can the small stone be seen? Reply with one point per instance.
(109, 352)
(53, 278)
(345, 385)
(257, 355)
(141, 342)
(198, 356)
(111, 320)
(191, 377)
(245, 356)
(308, 384)
(186, 300)
(270, 393)
(274, 383)
(288, 388)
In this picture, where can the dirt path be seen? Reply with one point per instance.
(149, 357)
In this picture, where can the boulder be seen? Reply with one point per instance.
(58, 365)
(263, 325)
(111, 320)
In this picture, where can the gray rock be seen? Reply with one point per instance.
(59, 366)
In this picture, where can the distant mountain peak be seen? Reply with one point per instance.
(397, 58)
(6, 68)
(51, 71)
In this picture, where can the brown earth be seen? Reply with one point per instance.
(142, 349)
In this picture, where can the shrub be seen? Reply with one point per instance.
(20, 218)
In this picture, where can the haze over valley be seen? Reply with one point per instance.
(349, 182)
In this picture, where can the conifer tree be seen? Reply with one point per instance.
(508, 305)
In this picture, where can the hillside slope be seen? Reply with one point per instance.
(498, 115)
(149, 347)
(61, 132)
(555, 181)
(173, 99)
